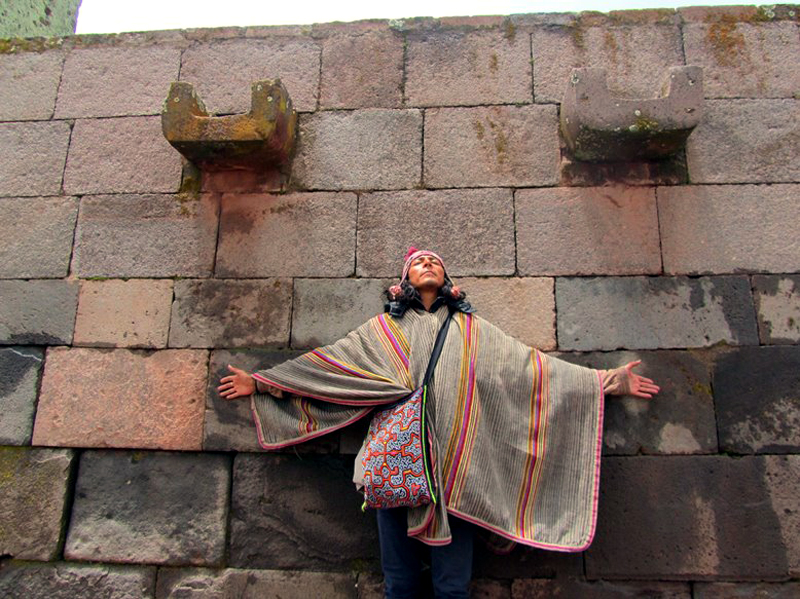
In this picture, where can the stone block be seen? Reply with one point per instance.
(37, 236)
(746, 141)
(778, 305)
(33, 158)
(257, 230)
(37, 312)
(146, 236)
(150, 507)
(228, 424)
(783, 483)
(706, 517)
(744, 60)
(544, 589)
(635, 57)
(68, 581)
(472, 229)
(325, 310)
(449, 67)
(253, 584)
(114, 81)
(128, 398)
(587, 230)
(364, 149)
(121, 155)
(20, 368)
(222, 72)
(28, 85)
(729, 228)
(491, 146)
(525, 562)
(116, 313)
(364, 71)
(489, 589)
(241, 313)
(524, 308)
(679, 420)
(746, 590)
(757, 392)
(289, 512)
(654, 313)
(370, 586)
(33, 493)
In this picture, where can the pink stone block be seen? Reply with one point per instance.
(298, 234)
(28, 85)
(122, 398)
(491, 146)
(363, 71)
(33, 158)
(587, 230)
(116, 81)
(635, 58)
(744, 60)
(121, 155)
(117, 313)
(456, 68)
(222, 72)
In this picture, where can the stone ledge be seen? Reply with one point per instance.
(64, 580)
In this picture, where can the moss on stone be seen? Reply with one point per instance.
(726, 41)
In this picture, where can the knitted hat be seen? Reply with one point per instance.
(412, 254)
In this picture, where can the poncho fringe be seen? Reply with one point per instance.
(515, 434)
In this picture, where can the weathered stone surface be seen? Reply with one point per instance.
(680, 419)
(242, 313)
(525, 562)
(727, 228)
(473, 230)
(325, 310)
(544, 589)
(654, 313)
(33, 158)
(370, 586)
(364, 71)
(121, 155)
(491, 146)
(365, 149)
(28, 85)
(222, 72)
(146, 236)
(112, 81)
(47, 18)
(783, 483)
(587, 230)
(522, 307)
(746, 590)
(37, 236)
(778, 304)
(705, 517)
(746, 141)
(288, 512)
(228, 424)
(127, 399)
(257, 230)
(117, 313)
(19, 381)
(635, 57)
(489, 589)
(757, 392)
(744, 60)
(458, 68)
(575, 173)
(68, 581)
(37, 312)
(253, 584)
(148, 507)
(33, 492)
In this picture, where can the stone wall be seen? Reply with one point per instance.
(125, 293)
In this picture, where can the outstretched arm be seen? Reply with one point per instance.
(623, 381)
(241, 384)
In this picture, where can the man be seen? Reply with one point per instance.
(515, 434)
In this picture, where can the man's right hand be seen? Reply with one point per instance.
(238, 384)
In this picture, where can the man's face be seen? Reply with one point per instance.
(426, 272)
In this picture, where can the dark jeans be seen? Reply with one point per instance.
(451, 565)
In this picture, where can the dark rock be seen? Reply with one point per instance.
(71, 581)
(20, 368)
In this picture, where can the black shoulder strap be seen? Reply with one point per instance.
(437, 347)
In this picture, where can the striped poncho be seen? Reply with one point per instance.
(515, 434)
